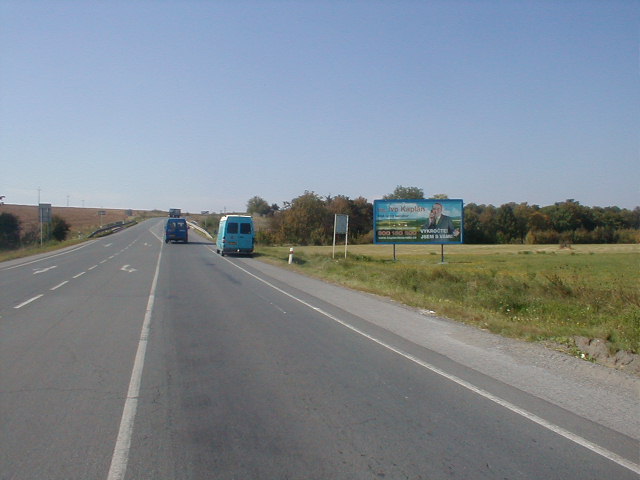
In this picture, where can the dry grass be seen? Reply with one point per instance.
(81, 220)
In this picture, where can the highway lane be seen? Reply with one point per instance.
(66, 357)
(22, 280)
(244, 381)
(247, 379)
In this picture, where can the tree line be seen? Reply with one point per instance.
(308, 220)
(563, 222)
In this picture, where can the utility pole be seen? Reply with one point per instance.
(40, 216)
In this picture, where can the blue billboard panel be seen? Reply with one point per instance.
(430, 221)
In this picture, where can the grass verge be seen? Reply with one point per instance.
(49, 246)
(536, 293)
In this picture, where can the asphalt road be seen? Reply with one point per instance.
(129, 358)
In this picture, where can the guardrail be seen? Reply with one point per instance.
(200, 229)
(112, 228)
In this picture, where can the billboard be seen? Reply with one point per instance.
(424, 221)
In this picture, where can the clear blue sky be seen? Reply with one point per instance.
(201, 105)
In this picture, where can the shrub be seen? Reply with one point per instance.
(9, 231)
(59, 228)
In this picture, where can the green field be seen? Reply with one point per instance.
(533, 292)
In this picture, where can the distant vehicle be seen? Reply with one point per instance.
(235, 235)
(174, 213)
(176, 230)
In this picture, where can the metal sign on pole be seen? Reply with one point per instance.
(340, 227)
(101, 213)
(44, 214)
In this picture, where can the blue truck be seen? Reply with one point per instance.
(236, 235)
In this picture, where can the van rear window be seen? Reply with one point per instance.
(245, 228)
(232, 227)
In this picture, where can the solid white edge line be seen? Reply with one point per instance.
(120, 457)
(29, 301)
(614, 457)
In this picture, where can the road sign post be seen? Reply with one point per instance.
(44, 215)
(101, 213)
(340, 227)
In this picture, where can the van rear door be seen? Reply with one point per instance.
(245, 239)
(231, 238)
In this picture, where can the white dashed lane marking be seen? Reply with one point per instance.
(59, 285)
(29, 301)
